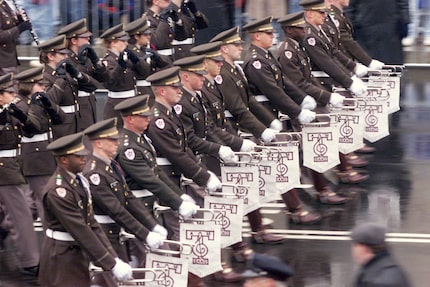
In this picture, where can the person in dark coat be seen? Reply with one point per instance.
(380, 26)
(377, 266)
(11, 27)
(73, 236)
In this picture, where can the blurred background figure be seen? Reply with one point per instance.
(380, 26)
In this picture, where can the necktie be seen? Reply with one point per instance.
(117, 168)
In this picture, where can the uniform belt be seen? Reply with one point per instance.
(166, 52)
(103, 219)
(82, 94)
(163, 161)
(37, 138)
(70, 109)
(261, 98)
(227, 114)
(121, 95)
(320, 74)
(188, 41)
(142, 193)
(10, 152)
(143, 83)
(59, 235)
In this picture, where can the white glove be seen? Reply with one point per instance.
(213, 183)
(358, 87)
(154, 240)
(376, 65)
(306, 116)
(336, 100)
(268, 135)
(308, 103)
(361, 70)
(248, 146)
(186, 197)
(226, 153)
(276, 125)
(122, 271)
(187, 209)
(160, 230)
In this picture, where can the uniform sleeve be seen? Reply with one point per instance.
(173, 151)
(8, 36)
(351, 46)
(235, 105)
(104, 198)
(325, 63)
(115, 72)
(68, 212)
(291, 67)
(143, 174)
(262, 78)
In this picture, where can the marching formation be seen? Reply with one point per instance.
(193, 139)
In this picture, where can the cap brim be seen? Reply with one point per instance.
(217, 58)
(114, 137)
(10, 89)
(82, 152)
(124, 38)
(146, 114)
(201, 72)
(179, 84)
(86, 34)
(43, 82)
(62, 51)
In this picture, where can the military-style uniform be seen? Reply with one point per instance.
(325, 58)
(96, 72)
(295, 62)
(246, 113)
(13, 185)
(115, 206)
(138, 159)
(73, 237)
(8, 34)
(348, 45)
(191, 22)
(167, 133)
(266, 82)
(152, 63)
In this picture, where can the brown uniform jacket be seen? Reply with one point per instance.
(119, 80)
(348, 45)
(248, 114)
(64, 93)
(324, 57)
(36, 159)
(265, 78)
(168, 135)
(68, 208)
(86, 96)
(8, 35)
(138, 159)
(296, 64)
(10, 137)
(112, 197)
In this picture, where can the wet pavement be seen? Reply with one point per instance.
(396, 195)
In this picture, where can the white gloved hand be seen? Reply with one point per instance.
(268, 135)
(226, 153)
(376, 65)
(213, 183)
(306, 116)
(358, 87)
(276, 125)
(122, 271)
(336, 100)
(187, 209)
(361, 70)
(248, 146)
(186, 197)
(154, 240)
(160, 230)
(308, 103)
